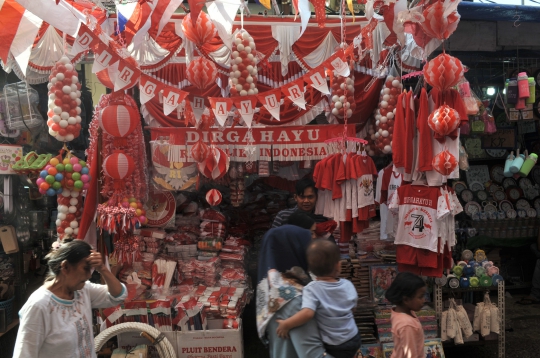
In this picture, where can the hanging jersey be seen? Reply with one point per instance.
(392, 218)
(419, 211)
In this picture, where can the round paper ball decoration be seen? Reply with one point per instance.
(199, 151)
(119, 120)
(443, 72)
(213, 197)
(216, 165)
(203, 31)
(201, 72)
(444, 120)
(437, 24)
(444, 163)
(118, 165)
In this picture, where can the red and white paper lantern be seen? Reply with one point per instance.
(118, 165)
(384, 114)
(200, 151)
(213, 197)
(216, 165)
(201, 72)
(440, 21)
(443, 72)
(118, 120)
(243, 75)
(444, 120)
(444, 163)
(64, 118)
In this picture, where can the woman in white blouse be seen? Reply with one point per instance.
(56, 321)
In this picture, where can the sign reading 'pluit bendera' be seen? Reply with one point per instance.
(292, 143)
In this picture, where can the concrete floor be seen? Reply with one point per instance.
(522, 335)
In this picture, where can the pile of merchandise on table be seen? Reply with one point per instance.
(179, 278)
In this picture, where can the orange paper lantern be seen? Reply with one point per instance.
(444, 163)
(444, 120)
(443, 72)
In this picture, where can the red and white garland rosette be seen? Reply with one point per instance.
(213, 197)
(243, 76)
(124, 207)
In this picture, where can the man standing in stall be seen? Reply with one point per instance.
(306, 199)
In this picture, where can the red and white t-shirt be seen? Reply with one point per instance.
(420, 209)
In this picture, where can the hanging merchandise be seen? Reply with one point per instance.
(443, 72)
(119, 121)
(486, 317)
(20, 106)
(124, 168)
(172, 173)
(243, 76)
(213, 197)
(237, 185)
(529, 163)
(464, 89)
(507, 164)
(199, 151)
(64, 101)
(440, 19)
(444, 163)
(342, 96)
(444, 120)
(202, 33)
(201, 72)
(517, 163)
(216, 165)
(385, 112)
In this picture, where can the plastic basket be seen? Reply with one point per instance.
(19, 97)
(8, 306)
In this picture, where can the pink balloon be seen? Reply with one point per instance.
(48, 166)
(74, 160)
(86, 186)
(142, 218)
(39, 181)
(77, 167)
(84, 178)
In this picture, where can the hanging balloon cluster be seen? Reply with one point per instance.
(64, 100)
(371, 148)
(385, 112)
(243, 76)
(342, 96)
(124, 180)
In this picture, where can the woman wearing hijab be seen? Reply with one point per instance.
(282, 276)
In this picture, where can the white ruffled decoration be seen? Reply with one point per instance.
(286, 36)
(323, 51)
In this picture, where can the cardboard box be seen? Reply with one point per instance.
(212, 343)
(132, 339)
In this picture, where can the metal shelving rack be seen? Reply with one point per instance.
(438, 293)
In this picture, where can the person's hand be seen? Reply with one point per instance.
(282, 330)
(95, 261)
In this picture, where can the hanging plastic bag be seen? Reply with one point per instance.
(444, 319)
(489, 122)
(485, 317)
(463, 158)
(464, 322)
(495, 323)
(451, 323)
(458, 339)
(464, 89)
(477, 314)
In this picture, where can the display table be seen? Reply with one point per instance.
(500, 288)
(476, 242)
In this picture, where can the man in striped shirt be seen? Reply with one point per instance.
(306, 198)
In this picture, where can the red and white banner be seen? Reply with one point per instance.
(246, 107)
(84, 41)
(104, 58)
(127, 77)
(148, 88)
(221, 107)
(317, 79)
(339, 64)
(198, 107)
(295, 92)
(271, 101)
(292, 143)
(172, 98)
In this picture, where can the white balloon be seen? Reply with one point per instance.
(238, 60)
(245, 35)
(250, 39)
(249, 79)
(384, 119)
(74, 194)
(252, 44)
(338, 105)
(384, 104)
(73, 95)
(249, 68)
(237, 41)
(69, 137)
(56, 118)
(346, 105)
(342, 86)
(75, 231)
(349, 81)
(255, 90)
(60, 76)
(396, 83)
(65, 60)
(62, 209)
(250, 57)
(63, 123)
(239, 87)
(66, 89)
(78, 101)
(64, 115)
(61, 216)
(390, 115)
(60, 138)
(335, 98)
(235, 54)
(254, 72)
(66, 192)
(74, 79)
(58, 222)
(342, 98)
(72, 209)
(387, 149)
(250, 92)
(378, 117)
(73, 201)
(74, 224)
(390, 78)
(49, 85)
(386, 91)
(377, 123)
(386, 97)
(69, 67)
(54, 80)
(248, 49)
(74, 88)
(52, 133)
(68, 231)
(240, 47)
(57, 110)
(78, 119)
(243, 93)
(350, 88)
(377, 135)
(252, 85)
(234, 67)
(51, 105)
(78, 110)
(78, 94)
(234, 81)
(52, 97)
(72, 120)
(335, 111)
(237, 74)
(385, 134)
(349, 113)
(373, 136)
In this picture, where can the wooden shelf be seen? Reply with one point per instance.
(12, 325)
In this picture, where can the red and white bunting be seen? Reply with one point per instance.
(85, 39)
(198, 107)
(172, 97)
(271, 101)
(338, 63)
(295, 92)
(246, 107)
(317, 79)
(128, 76)
(221, 107)
(148, 88)
(104, 57)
